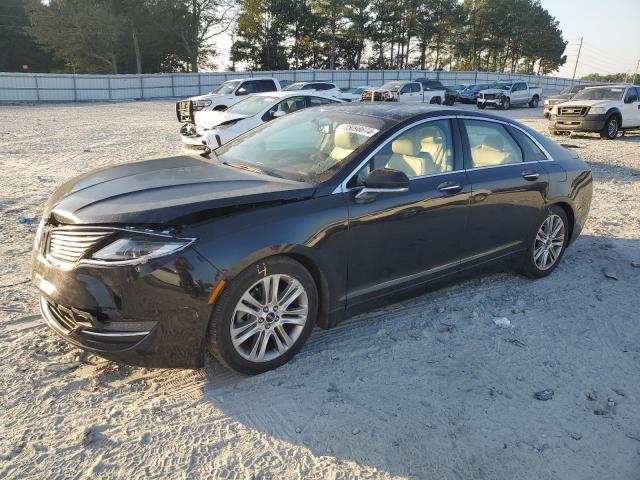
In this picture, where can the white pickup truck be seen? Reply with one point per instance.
(506, 94)
(403, 91)
(224, 95)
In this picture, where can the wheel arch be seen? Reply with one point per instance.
(613, 111)
(568, 210)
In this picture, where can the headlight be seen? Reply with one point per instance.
(37, 241)
(138, 249)
(200, 104)
(596, 110)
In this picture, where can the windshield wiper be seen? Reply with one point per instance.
(243, 167)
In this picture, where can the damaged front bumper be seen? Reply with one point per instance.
(154, 314)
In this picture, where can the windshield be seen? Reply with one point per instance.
(356, 90)
(226, 87)
(252, 105)
(501, 86)
(308, 146)
(295, 86)
(601, 93)
(392, 86)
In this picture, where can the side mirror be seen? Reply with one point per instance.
(278, 114)
(384, 180)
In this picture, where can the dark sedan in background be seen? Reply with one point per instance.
(297, 223)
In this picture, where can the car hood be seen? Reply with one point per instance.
(212, 119)
(560, 96)
(209, 96)
(586, 103)
(493, 90)
(164, 191)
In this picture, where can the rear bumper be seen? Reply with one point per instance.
(154, 314)
(588, 123)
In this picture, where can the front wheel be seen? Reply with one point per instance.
(548, 244)
(482, 106)
(610, 129)
(505, 103)
(264, 316)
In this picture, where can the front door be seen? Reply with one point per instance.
(508, 191)
(398, 240)
(631, 108)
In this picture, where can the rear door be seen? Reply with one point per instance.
(519, 93)
(508, 190)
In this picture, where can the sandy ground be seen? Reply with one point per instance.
(429, 388)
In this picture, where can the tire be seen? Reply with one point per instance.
(231, 311)
(505, 103)
(611, 128)
(554, 132)
(435, 101)
(534, 102)
(482, 106)
(533, 264)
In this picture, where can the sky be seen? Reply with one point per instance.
(610, 29)
(611, 32)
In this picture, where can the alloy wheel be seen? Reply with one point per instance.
(612, 128)
(549, 242)
(269, 317)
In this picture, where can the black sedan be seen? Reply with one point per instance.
(297, 223)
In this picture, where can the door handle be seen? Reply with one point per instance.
(530, 175)
(449, 187)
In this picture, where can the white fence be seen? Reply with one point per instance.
(41, 87)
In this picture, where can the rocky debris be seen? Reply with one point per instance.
(635, 263)
(633, 436)
(609, 273)
(592, 396)
(544, 395)
(517, 342)
(575, 436)
(474, 314)
(600, 412)
(611, 403)
(520, 378)
(61, 367)
(619, 391)
(298, 430)
(502, 322)
(355, 431)
(86, 436)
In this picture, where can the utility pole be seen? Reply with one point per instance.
(577, 58)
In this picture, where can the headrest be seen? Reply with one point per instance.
(495, 142)
(405, 146)
(344, 139)
(430, 135)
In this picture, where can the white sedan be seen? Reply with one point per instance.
(212, 129)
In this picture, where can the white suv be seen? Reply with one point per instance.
(326, 88)
(607, 109)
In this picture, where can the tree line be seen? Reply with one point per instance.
(148, 36)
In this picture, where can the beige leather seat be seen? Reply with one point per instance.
(343, 144)
(490, 152)
(432, 143)
(407, 158)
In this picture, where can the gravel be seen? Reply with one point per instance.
(447, 405)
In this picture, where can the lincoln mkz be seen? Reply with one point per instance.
(295, 224)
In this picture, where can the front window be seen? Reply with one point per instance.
(600, 93)
(251, 106)
(295, 86)
(392, 86)
(309, 146)
(226, 88)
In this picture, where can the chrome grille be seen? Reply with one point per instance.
(572, 111)
(70, 244)
(489, 96)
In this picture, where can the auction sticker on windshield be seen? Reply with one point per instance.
(358, 129)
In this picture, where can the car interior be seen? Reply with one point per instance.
(491, 144)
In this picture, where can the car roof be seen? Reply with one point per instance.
(400, 112)
(292, 93)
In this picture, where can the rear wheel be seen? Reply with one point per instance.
(482, 106)
(610, 129)
(435, 101)
(534, 102)
(264, 316)
(545, 250)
